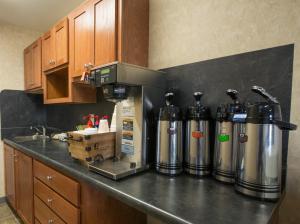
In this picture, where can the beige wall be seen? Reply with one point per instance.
(185, 31)
(13, 40)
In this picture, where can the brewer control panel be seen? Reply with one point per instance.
(104, 75)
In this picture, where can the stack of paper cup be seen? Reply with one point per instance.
(103, 125)
(113, 125)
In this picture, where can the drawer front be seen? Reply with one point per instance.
(64, 209)
(44, 214)
(63, 185)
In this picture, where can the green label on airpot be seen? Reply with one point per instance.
(223, 138)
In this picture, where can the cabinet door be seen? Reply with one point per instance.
(105, 13)
(24, 187)
(28, 77)
(9, 166)
(60, 36)
(47, 51)
(37, 64)
(81, 34)
(98, 207)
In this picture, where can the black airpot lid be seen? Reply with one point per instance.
(198, 113)
(226, 112)
(170, 113)
(263, 113)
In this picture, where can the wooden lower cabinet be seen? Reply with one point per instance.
(19, 183)
(9, 169)
(97, 207)
(42, 195)
(55, 202)
(44, 214)
(24, 186)
(37, 221)
(58, 182)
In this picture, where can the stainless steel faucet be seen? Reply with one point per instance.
(38, 130)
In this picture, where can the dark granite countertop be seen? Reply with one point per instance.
(183, 199)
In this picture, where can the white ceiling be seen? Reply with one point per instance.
(37, 15)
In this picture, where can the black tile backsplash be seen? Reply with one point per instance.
(19, 111)
(66, 117)
(271, 68)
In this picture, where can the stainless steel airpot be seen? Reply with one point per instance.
(197, 145)
(169, 152)
(259, 156)
(227, 131)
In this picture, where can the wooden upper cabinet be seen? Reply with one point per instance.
(81, 31)
(104, 31)
(9, 166)
(133, 31)
(105, 13)
(47, 51)
(61, 42)
(33, 66)
(37, 64)
(55, 46)
(28, 78)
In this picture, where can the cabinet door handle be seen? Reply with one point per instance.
(50, 221)
(88, 66)
(49, 178)
(51, 62)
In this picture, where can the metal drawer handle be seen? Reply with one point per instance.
(50, 221)
(49, 200)
(49, 178)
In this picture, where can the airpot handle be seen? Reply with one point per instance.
(198, 96)
(233, 94)
(261, 91)
(285, 125)
(169, 98)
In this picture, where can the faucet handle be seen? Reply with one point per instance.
(38, 130)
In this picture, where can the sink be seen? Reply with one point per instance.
(29, 138)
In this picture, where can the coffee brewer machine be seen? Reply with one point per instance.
(259, 156)
(137, 92)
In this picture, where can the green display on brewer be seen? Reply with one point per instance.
(223, 138)
(105, 71)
